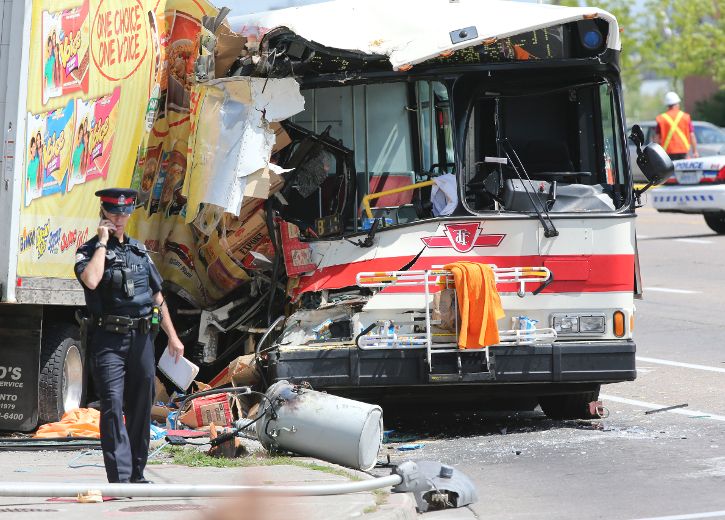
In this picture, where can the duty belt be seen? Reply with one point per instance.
(124, 324)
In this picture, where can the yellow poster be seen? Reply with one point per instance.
(97, 84)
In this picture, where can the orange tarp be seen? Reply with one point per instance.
(81, 422)
(478, 302)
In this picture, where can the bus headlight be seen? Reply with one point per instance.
(591, 324)
(579, 323)
(565, 323)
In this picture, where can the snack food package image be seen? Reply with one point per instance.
(95, 127)
(65, 52)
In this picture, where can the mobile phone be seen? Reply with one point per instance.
(107, 224)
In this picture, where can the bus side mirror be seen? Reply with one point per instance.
(655, 164)
(652, 159)
(636, 135)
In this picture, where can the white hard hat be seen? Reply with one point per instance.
(671, 98)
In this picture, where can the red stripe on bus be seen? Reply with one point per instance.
(572, 273)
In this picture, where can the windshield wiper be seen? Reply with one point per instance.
(518, 167)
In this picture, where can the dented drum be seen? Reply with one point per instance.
(321, 425)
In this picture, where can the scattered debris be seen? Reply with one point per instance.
(92, 496)
(410, 447)
(665, 409)
(203, 411)
(225, 444)
(597, 409)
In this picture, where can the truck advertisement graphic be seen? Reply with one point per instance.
(88, 63)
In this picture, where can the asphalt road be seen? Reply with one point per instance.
(631, 465)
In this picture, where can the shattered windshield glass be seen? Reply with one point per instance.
(399, 133)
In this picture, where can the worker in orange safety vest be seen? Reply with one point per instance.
(674, 130)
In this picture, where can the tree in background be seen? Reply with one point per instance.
(712, 109)
(633, 61)
(671, 39)
(684, 37)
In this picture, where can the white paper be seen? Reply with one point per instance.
(181, 373)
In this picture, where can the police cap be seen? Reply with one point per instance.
(118, 200)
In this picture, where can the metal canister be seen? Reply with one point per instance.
(316, 424)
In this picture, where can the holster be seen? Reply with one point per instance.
(124, 324)
(117, 324)
(85, 323)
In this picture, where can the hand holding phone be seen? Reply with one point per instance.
(105, 228)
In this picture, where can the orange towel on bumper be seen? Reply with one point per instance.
(479, 304)
(81, 422)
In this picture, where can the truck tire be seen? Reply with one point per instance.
(568, 406)
(62, 382)
(716, 221)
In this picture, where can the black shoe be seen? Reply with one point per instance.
(141, 481)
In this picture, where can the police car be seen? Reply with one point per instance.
(698, 186)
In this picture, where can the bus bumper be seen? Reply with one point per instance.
(341, 367)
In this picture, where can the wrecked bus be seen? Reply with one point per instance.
(303, 186)
(487, 132)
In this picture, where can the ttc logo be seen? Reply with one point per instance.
(463, 238)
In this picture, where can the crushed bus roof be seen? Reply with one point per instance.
(413, 31)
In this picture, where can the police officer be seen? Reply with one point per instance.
(123, 294)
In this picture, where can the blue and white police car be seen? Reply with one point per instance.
(698, 186)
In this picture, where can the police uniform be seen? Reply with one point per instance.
(121, 328)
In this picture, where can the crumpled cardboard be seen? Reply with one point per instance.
(244, 236)
(203, 411)
(297, 254)
(161, 395)
(228, 46)
(243, 371)
(160, 412)
(281, 136)
(240, 372)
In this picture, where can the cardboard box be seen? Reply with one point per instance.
(260, 186)
(161, 395)
(239, 241)
(228, 46)
(297, 254)
(206, 410)
(281, 137)
(159, 413)
(243, 371)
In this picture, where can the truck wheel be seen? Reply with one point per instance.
(716, 221)
(62, 383)
(568, 406)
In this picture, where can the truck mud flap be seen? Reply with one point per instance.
(20, 331)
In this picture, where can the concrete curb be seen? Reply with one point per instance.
(397, 506)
